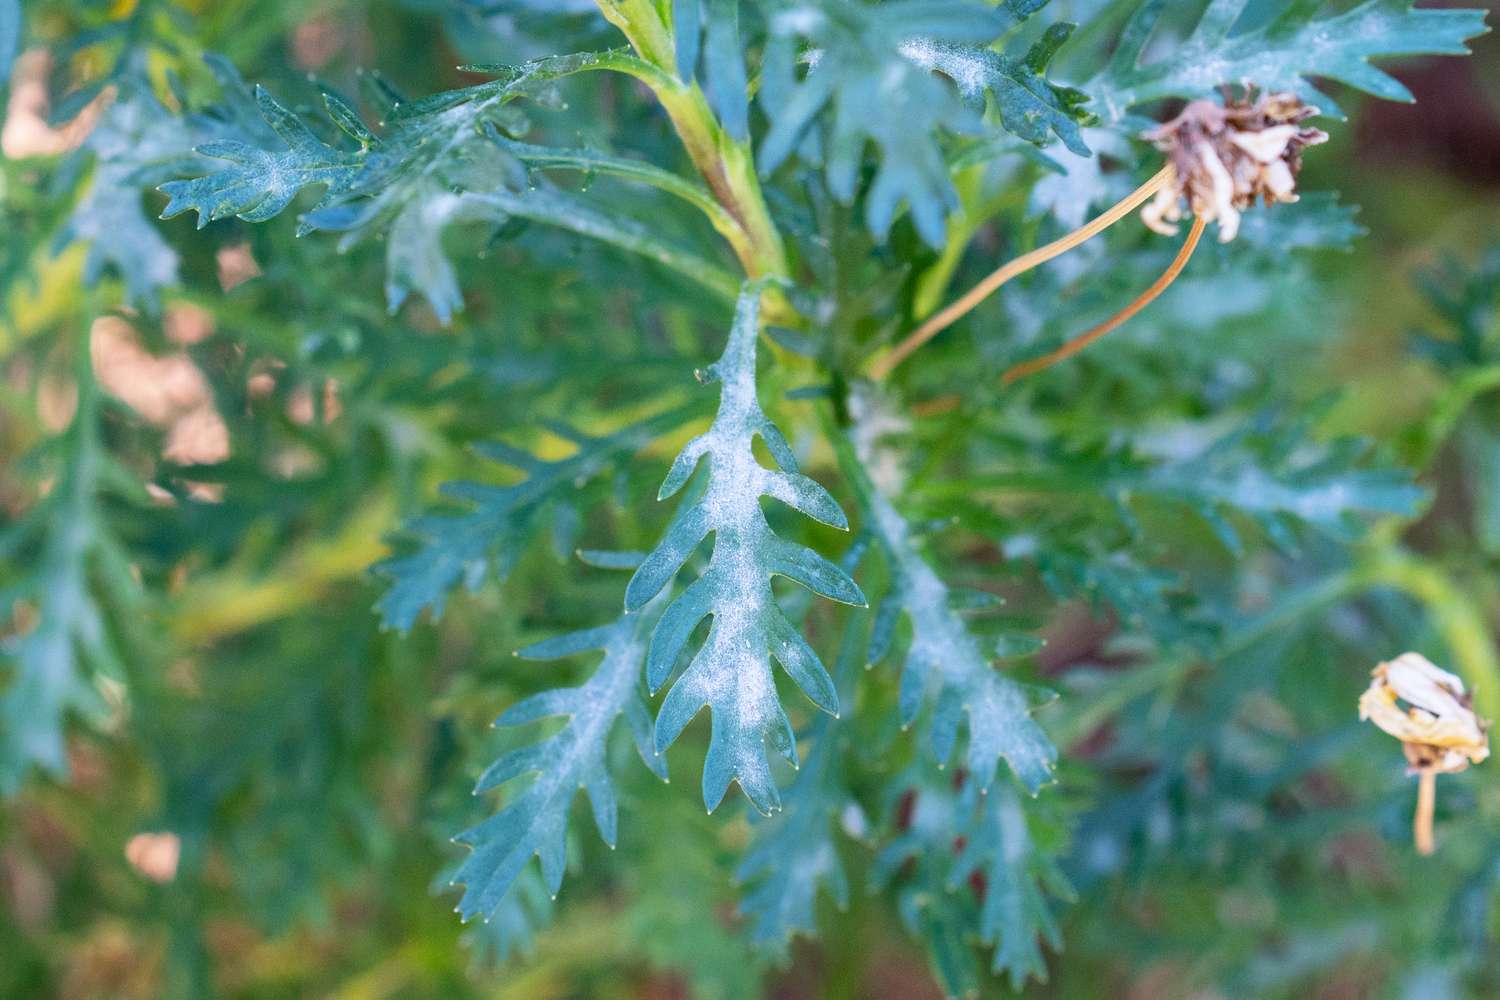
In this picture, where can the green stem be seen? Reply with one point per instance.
(933, 283)
(554, 208)
(589, 162)
(727, 166)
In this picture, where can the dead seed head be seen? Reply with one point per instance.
(1428, 710)
(1226, 157)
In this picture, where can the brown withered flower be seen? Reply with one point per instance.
(1431, 713)
(1225, 158)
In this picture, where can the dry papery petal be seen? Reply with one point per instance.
(1429, 711)
(1226, 157)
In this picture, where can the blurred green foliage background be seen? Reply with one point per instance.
(260, 786)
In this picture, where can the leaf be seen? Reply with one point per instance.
(724, 68)
(444, 159)
(80, 567)
(793, 853)
(1029, 106)
(1274, 473)
(1271, 474)
(1001, 848)
(535, 822)
(957, 851)
(1314, 221)
(872, 71)
(469, 547)
(1280, 54)
(1140, 594)
(135, 144)
(260, 183)
(731, 673)
(510, 931)
(924, 815)
(945, 663)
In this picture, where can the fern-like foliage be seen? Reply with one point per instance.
(1277, 478)
(510, 930)
(731, 673)
(794, 853)
(1281, 53)
(535, 822)
(946, 663)
(485, 541)
(955, 852)
(75, 565)
(1005, 847)
(443, 160)
(1028, 105)
(874, 74)
(137, 143)
(1268, 472)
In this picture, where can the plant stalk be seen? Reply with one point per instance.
(882, 366)
(726, 165)
(1422, 822)
(1140, 302)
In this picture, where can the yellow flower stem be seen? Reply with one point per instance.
(1140, 302)
(1426, 800)
(883, 365)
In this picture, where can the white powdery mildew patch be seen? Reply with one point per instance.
(731, 673)
(965, 68)
(946, 662)
(535, 822)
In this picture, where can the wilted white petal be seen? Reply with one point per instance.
(1222, 195)
(1266, 145)
(1428, 710)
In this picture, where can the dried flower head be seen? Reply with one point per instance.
(1428, 710)
(1226, 157)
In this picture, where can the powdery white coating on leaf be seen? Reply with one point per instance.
(793, 853)
(945, 663)
(731, 673)
(468, 547)
(1029, 105)
(535, 822)
(436, 162)
(962, 66)
(1014, 913)
(953, 852)
(1281, 53)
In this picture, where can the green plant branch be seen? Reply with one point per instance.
(727, 166)
(556, 209)
(589, 162)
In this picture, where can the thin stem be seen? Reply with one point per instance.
(726, 165)
(587, 161)
(1422, 823)
(882, 366)
(1141, 301)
